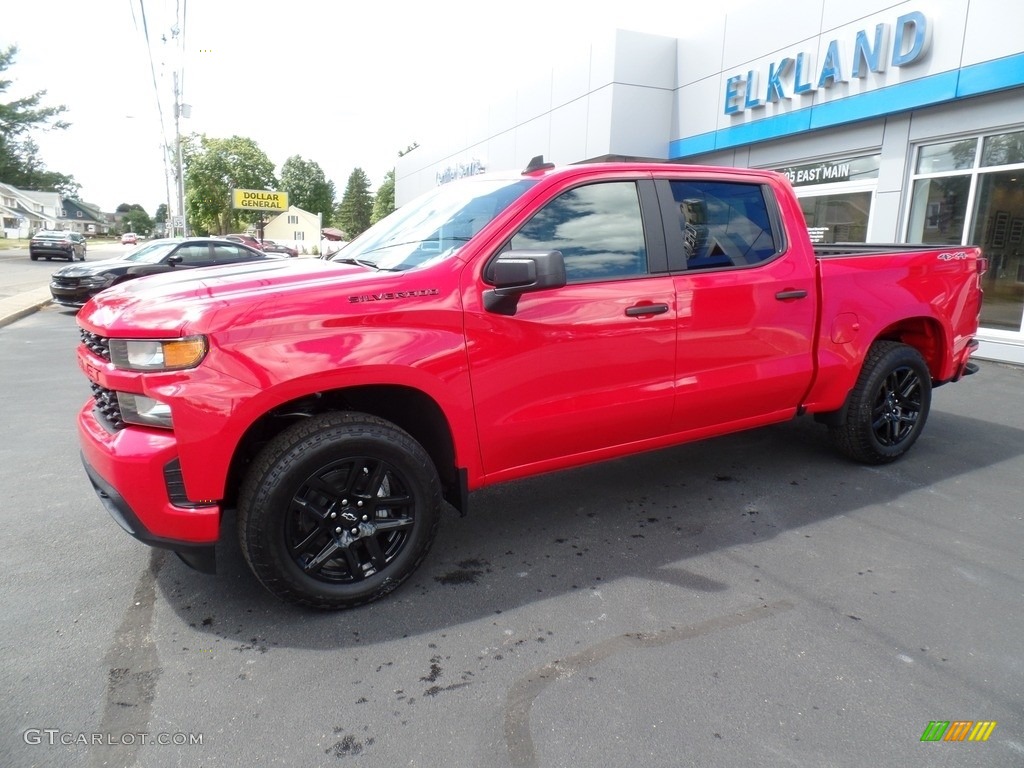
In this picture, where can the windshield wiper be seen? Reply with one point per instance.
(357, 262)
(415, 242)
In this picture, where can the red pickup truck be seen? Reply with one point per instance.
(498, 327)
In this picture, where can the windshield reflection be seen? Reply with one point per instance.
(433, 226)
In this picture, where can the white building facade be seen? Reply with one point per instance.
(895, 121)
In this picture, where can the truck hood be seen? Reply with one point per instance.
(209, 298)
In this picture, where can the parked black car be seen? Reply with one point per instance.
(74, 285)
(48, 243)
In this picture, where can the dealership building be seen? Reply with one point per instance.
(896, 122)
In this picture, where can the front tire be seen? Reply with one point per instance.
(338, 510)
(888, 406)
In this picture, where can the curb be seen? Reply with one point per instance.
(22, 305)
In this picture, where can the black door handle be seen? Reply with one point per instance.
(783, 295)
(646, 309)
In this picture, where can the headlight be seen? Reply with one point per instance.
(157, 354)
(138, 409)
(99, 281)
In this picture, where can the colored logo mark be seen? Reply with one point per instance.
(959, 730)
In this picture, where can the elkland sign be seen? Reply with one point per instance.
(797, 75)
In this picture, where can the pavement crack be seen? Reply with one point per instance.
(524, 691)
(134, 670)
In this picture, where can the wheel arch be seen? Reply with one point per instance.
(925, 334)
(406, 407)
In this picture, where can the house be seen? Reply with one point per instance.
(24, 212)
(84, 218)
(295, 227)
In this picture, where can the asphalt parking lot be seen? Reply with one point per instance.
(751, 600)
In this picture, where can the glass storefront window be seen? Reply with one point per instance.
(938, 210)
(999, 230)
(1005, 149)
(837, 218)
(952, 175)
(950, 156)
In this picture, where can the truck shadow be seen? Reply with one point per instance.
(637, 518)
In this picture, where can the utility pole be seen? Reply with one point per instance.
(178, 108)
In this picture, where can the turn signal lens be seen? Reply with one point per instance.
(158, 354)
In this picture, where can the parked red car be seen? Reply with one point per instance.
(249, 240)
(272, 247)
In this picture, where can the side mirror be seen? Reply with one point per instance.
(517, 272)
(174, 260)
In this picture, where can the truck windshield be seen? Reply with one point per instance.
(433, 226)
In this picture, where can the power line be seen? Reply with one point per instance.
(165, 147)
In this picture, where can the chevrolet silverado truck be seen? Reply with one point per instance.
(498, 327)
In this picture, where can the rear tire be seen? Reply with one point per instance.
(338, 510)
(888, 406)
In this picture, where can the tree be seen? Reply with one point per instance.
(20, 164)
(160, 228)
(307, 187)
(356, 208)
(213, 167)
(137, 220)
(384, 200)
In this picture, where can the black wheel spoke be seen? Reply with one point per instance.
(390, 502)
(376, 479)
(326, 554)
(300, 547)
(319, 484)
(306, 507)
(396, 524)
(377, 556)
(355, 567)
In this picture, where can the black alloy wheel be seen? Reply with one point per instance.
(888, 406)
(338, 510)
(897, 406)
(349, 520)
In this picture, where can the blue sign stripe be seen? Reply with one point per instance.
(927, 91)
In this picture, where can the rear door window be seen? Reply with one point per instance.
(724, 224)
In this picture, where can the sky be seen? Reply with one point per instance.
(346, 85)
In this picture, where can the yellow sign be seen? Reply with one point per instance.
(259, 200)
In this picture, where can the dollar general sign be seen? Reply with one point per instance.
(259, 200)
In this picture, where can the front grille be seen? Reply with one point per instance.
(98, 345)
(65, 282)
(107, 406)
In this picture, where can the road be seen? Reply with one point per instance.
(18, 273)
(754, 600)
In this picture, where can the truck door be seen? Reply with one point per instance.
(587, 367)
(747, 304)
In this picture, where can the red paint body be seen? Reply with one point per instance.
(568, 379)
